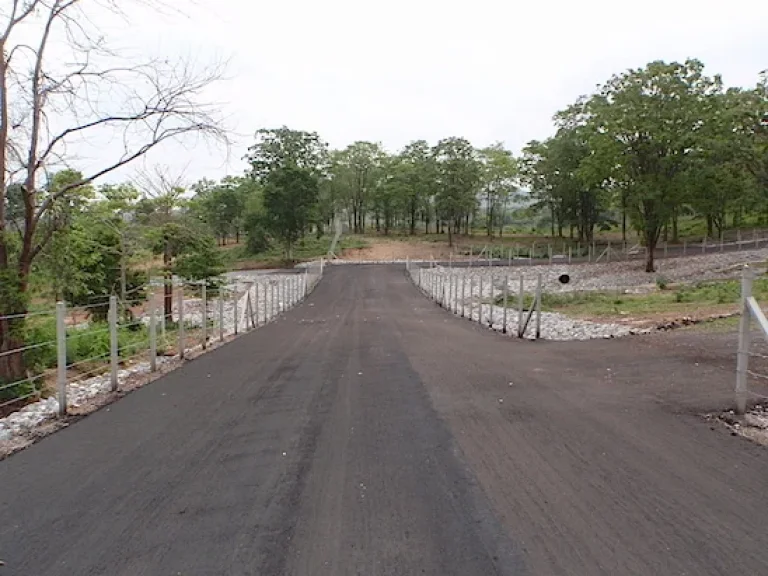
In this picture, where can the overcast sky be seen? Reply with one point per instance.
(396, 71)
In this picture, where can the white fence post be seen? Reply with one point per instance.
(463, 296)
(506, 297)
(480, 304)
(490, 310)
(113, 343)
(745, 336)
(221, 314)
(520, 306)
(538, 307)
(152, 338)
(182, 331)
(234, 308)
(471, 297)
(61, 354)
(204, 312)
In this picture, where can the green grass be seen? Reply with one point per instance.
(238, 257)
(682, 299)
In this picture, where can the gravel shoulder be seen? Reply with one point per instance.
(367, 431)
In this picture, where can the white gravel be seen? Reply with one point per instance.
(623, 277)
(261, 296)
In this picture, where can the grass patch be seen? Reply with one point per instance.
(238, 257)
(681, 299)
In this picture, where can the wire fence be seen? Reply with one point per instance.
(74, 353)
(491, 300)
(575, 251)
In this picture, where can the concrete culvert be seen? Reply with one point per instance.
(564, 278)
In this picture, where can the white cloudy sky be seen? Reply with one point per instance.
(400, 70)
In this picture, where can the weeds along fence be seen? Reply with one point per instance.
(72, 353)
(496, 302)
(607, 251)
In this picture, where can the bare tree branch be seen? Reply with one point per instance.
(52, 100)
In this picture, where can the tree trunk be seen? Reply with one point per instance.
(502, 218)
(623, 218)
(649, 260)
(552, 221)
(675, 234)
(12, 367)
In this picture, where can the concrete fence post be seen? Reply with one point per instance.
(745, 336)
(456, 294)
(182, 337)
(61, 356)
(162, 319)
(471, 297)
(704, 245)
(570, 254)
(549, 252)
(234, 308)
(221, 314)
(722, 241)
(463, 296)
(152, 338)
(113, 343)
(506, 298)
(204, 312)
(520, 306)
(490, 310)
(685, 247)
(538, 307)
(480, 307)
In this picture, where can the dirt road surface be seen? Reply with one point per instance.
(370, 432)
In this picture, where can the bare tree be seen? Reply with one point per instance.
(60, 86)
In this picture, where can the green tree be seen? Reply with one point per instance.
(498, 174)
(290, 198)
(417, 181)
(458, 179)
(277, 148)
(646, 123)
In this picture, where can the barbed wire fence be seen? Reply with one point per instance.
(72, 353)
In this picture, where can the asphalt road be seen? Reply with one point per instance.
(369, 432)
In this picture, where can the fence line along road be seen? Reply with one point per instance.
(597, 252)
(458, 294)
(86, 346)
